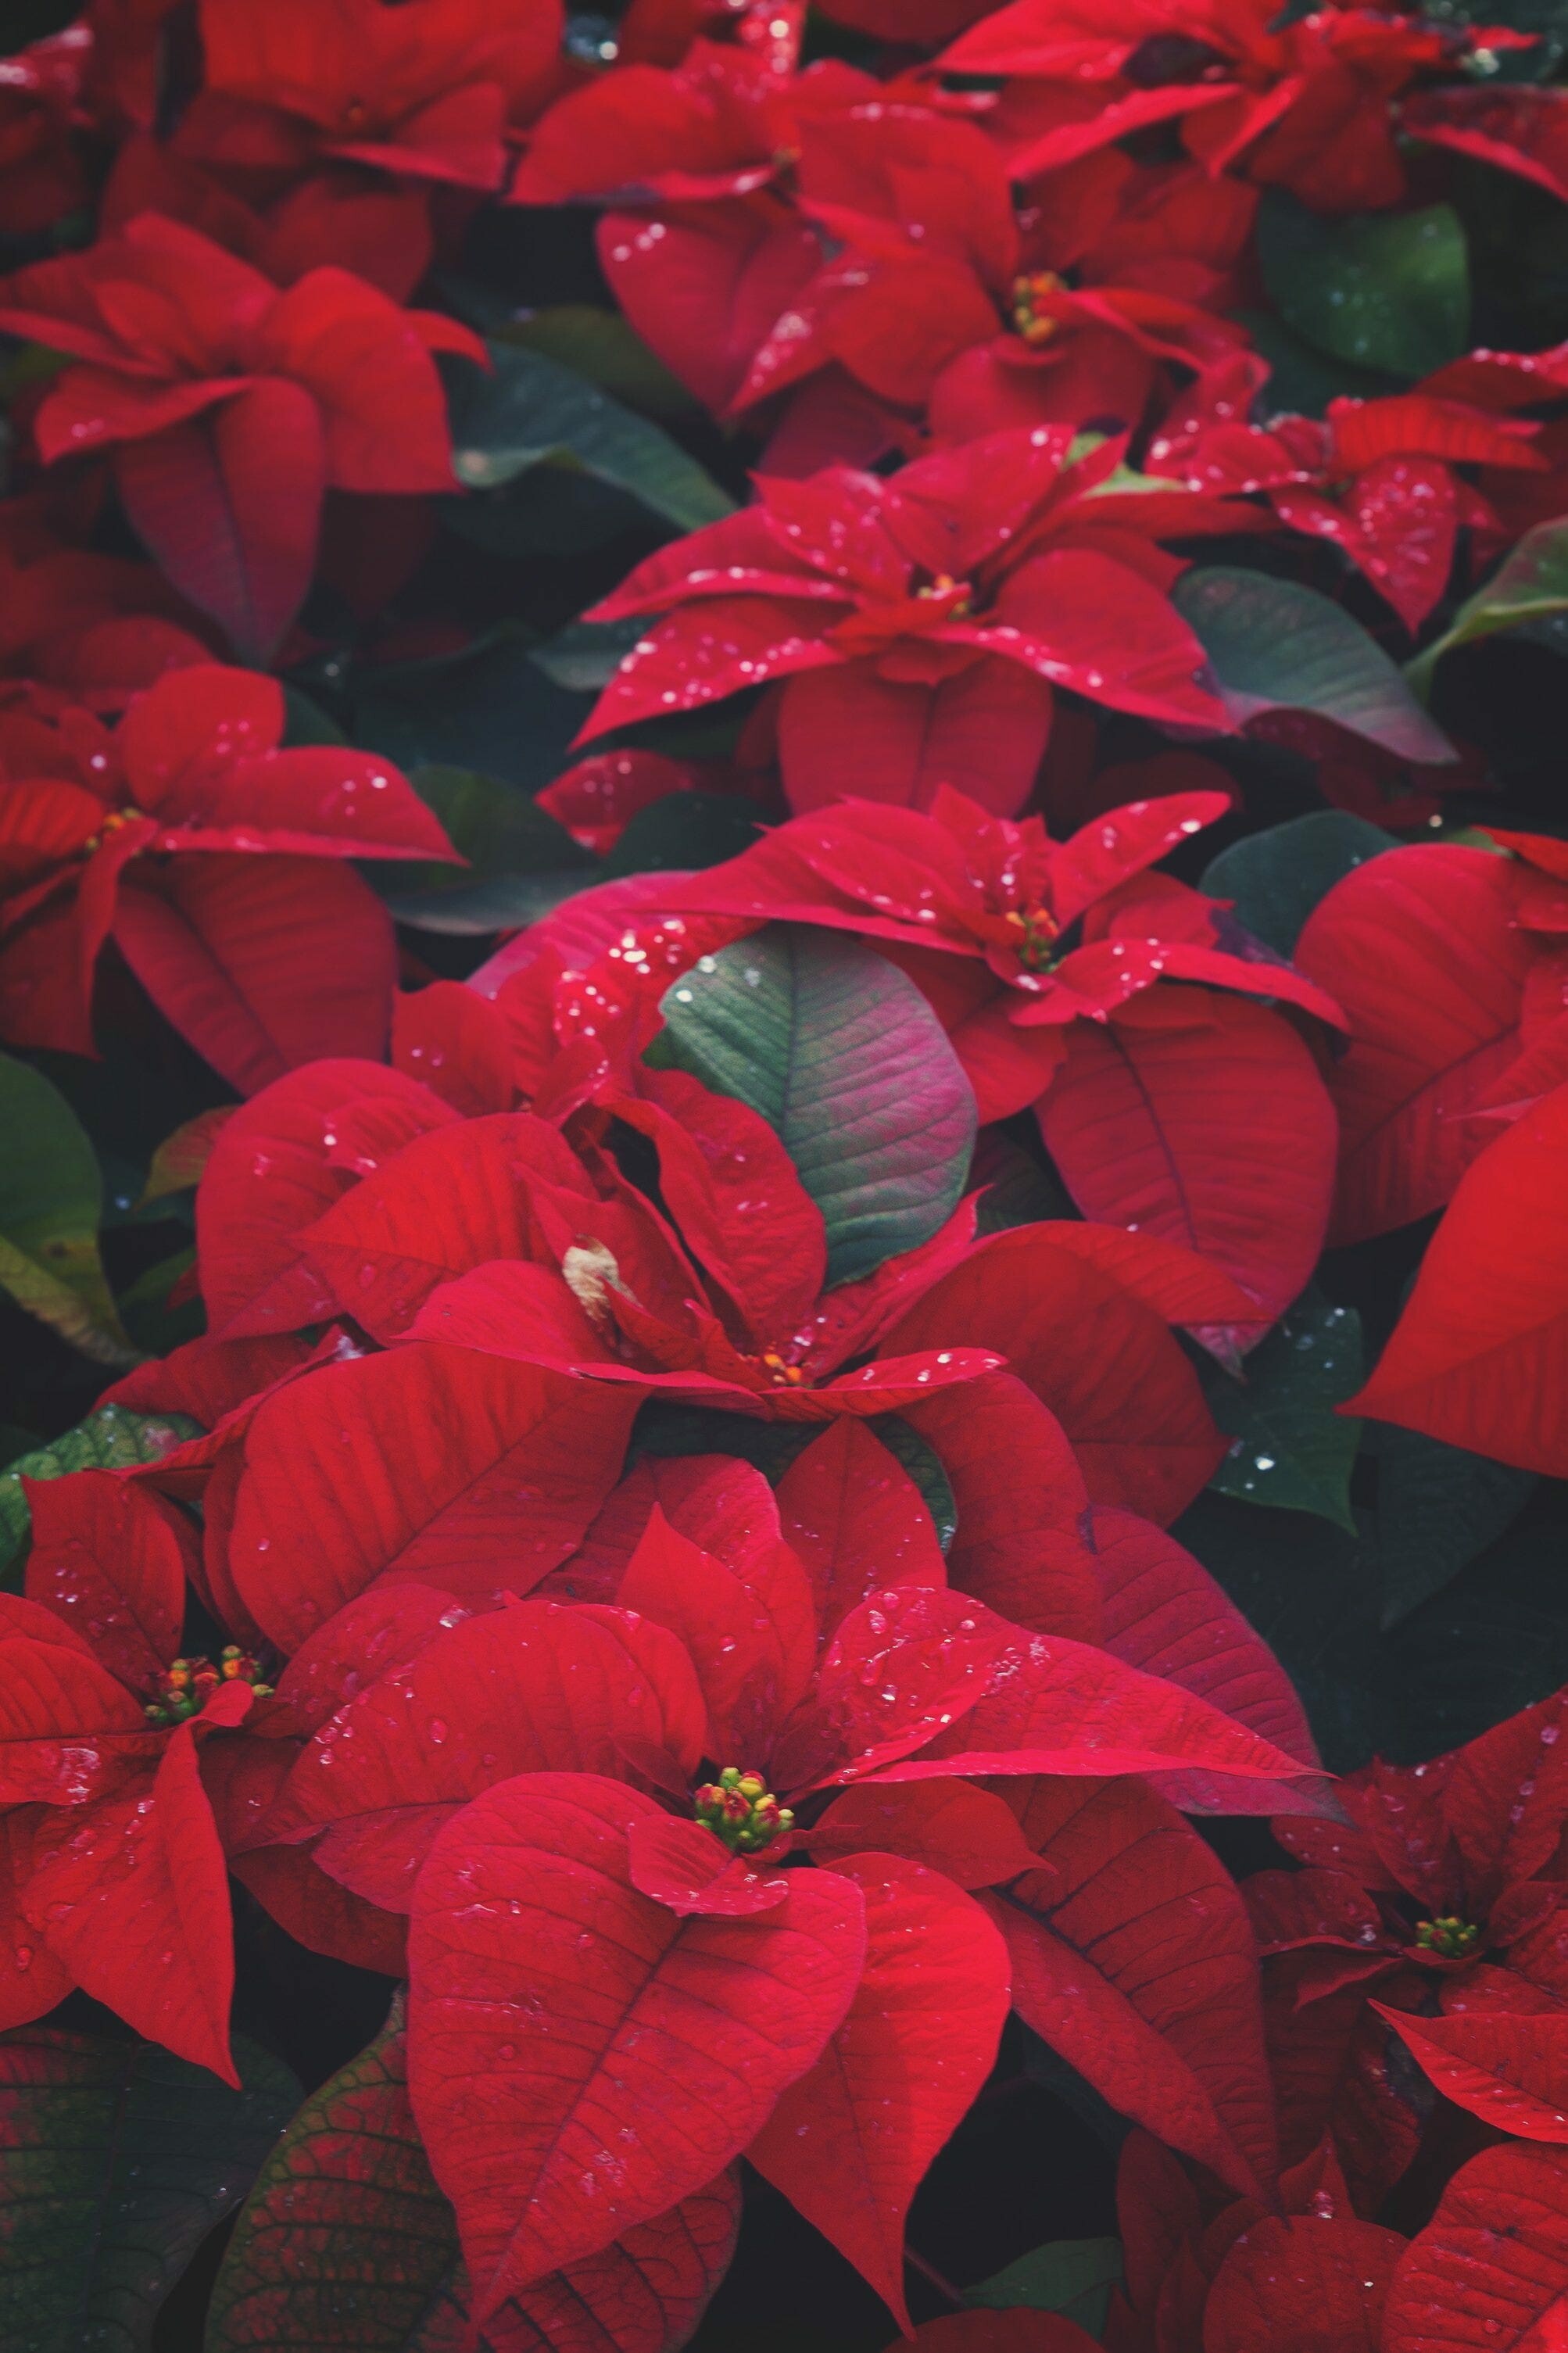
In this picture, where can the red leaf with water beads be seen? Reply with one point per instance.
(855, 1520)
(1133, 1958)
(850, 2143)
(1210, 1127)
(434, 1463)
(133, 1901)
(1422, 951)
(1303, 2285)
(1510, 2069)
(526, 1689)
(666, 2039)
(31, 1979)
(1491, 2266)
(1479, 1357)
(110, 1559)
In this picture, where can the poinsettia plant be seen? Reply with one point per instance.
(784, 1117)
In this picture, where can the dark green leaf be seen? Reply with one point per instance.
(509, 903)
(1437, 1508)
(1276, 645)
(492, 708)
(1494, 1640)
(1310, 1591)
(769, 1446)
(1072, 2277)
(1018, 1191)
(1301, 380)
(532, 410)
(147, 1316)
(924, 1467)
(345, 2238)
(684, 830)
(498, 827)
(608, 350)
(846, 1061)
(307, 722)
(1289, 1447)
(51, 1199)
(118, 2159)
(586, 655)
(1389, 290)
(1275, 878)
(1528, 587)
(110, 1439)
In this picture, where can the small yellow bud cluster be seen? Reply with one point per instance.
(742, 1810)
(189, 1683)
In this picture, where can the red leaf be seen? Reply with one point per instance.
(1420, 949)
(850, 2143)
(855, 1520)
(684, 1867)
(529, 1689)
(1207, 1125)
(1490, 2269)
(111, 1558)
(1300, 2284)
(1063, 1708)
(1164, 1613)
(851, 735)
(1003, 2332)
(67, 1728)
(456, 1469)
(31, 1980)
(455, 1042)
(1022, 1506)
(273, 1171)
(1479, 1356)
(1510, 2071)
(964, 1832)
(1135, 1962)
(448, 1202)
(1102, 1362)
(134, 1902)
(908, 1662)
(732, 1190)
(750, 1630)
(229, 504)
(262, 963)
(669, 2041)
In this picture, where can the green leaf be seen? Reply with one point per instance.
(923, 1465)
(490, 708)
(1528, 587)
(149, 1318)
(769, 1446)
(345, 2238)
(586, 655)
(306, 722)
(1277, 645)
(1438, 1508)
(118, 2160)
(682, 831)
(1389, 290)
(1289, 1447)
(110, 1439)
(1274, 879)
(1301, 380)
(521, 862)
(497, 826)
(1072, 2277)
(846, 1061)
(51, 1199)
(608, 350)
(532, 411)
(1018, 1191)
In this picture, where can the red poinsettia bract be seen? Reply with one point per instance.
(231, 407)
(213, 860)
